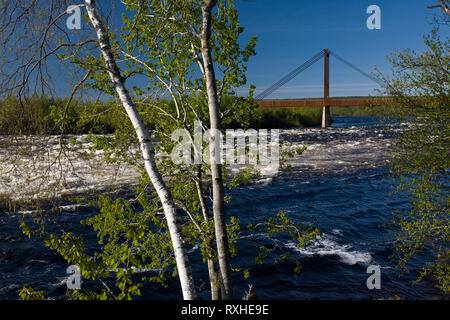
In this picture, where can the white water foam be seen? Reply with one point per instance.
(337, 232)
(60, 281)
(324, 246)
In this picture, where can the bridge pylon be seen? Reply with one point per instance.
(327, 103)
(326, 114)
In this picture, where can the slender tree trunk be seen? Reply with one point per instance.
(148, 153)
(213, 273)
(216, 166)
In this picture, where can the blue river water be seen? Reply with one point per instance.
(341, 185)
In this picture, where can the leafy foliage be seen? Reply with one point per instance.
(420, 155)
(158, 42)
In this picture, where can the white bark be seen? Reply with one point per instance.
(444, 6)
(214, 278)
(182, 261)
(216, 167)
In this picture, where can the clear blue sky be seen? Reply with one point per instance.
(291, 31)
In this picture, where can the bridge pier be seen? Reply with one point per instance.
(326, 117)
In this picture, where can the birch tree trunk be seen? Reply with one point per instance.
(214, 278)
(216, 166)
(148, 153)
(444, 7)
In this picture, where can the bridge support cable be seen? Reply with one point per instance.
(290, 76)
(357, 69)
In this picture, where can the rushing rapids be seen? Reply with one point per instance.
(340, 184)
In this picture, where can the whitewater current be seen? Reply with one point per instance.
(340, 184)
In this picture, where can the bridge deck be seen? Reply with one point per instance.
(320, 103)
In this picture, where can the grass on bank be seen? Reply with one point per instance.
(43, 115)
(361, 111)
(297, 117)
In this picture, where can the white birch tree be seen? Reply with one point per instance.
(148, 154)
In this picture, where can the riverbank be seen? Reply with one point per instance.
(46, 116)
(304, 117)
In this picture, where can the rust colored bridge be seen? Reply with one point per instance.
(325, 102)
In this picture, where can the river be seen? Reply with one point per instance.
(340, 184)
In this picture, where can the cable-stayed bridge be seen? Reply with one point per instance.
(326, 102)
